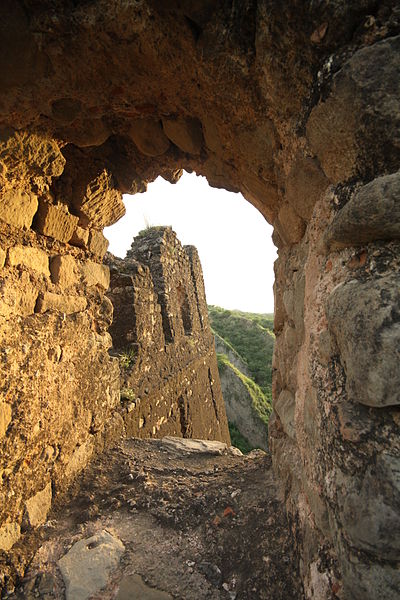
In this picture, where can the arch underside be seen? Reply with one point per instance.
(294, 104)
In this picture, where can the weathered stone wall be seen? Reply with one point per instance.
(294, 103)
(58, 385)
(169, 375)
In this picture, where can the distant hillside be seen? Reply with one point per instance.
(244, 345)
(251, 336)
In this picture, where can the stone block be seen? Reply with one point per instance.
(18, 299)
(184, 132)
(80, 237)
(87, 566)
(100, 204)
(364, 91)
(64, 271)
(284, 406)
(60, 302)
(18, 208)
(9, 534)
(373, 213)
(5, 417)
(305, 184)
(38, 506)
(370, 512)
(2, 257)
(89, 132)
(366, 581)
(95, 274)
(23, 155)
(149, 136)
(79, 459)
(363, 318)
(290, 226)
(97, 244)
(55, 221)
(31, 258)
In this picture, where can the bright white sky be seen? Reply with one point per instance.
(233, 239)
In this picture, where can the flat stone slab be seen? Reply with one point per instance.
(88, 564)
(132, 587)
(195, 446)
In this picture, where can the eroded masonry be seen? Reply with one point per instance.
(295, 104)
(161, 333)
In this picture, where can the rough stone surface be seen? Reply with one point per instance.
(192, 446)
(376, 526)
(100, 203)
(97, 243)
(60, 302)
(149, 137)
(80, 237)
(186, 133)
(366, 87)
(89, 563)
(64, 271)
(95, 274)
(18, 208)
(304, 185)
(55, 221)
(285, 407)
(38, 506)
(31, 258)
(9, 534)
(5, 417)
(373, 213)
(290, 226)
(363, 318)
(169, 375)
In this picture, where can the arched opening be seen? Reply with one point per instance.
(296, 106)
(226, 266)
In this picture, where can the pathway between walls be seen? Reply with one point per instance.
(167, 519)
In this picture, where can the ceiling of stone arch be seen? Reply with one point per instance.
(144, 88)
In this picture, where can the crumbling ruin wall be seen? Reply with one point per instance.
(59, 387)
(169, 375)
(294, 103)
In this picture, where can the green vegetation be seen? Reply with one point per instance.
(127, 357)
(261, 402)
(149, 228)
(238, 440)
(127, 394)
(251, 336)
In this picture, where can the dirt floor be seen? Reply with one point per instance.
(173, 520)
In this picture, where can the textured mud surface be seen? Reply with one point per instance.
(194, 525)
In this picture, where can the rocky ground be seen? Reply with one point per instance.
(167, 519)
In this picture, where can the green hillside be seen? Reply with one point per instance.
(251, 335)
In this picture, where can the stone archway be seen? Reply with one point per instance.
(297, 106)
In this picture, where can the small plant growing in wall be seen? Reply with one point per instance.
(127, 357)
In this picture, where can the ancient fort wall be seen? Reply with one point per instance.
(296, 105)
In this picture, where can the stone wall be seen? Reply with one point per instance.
(296, 105)
(169, 375)
(59, 387)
